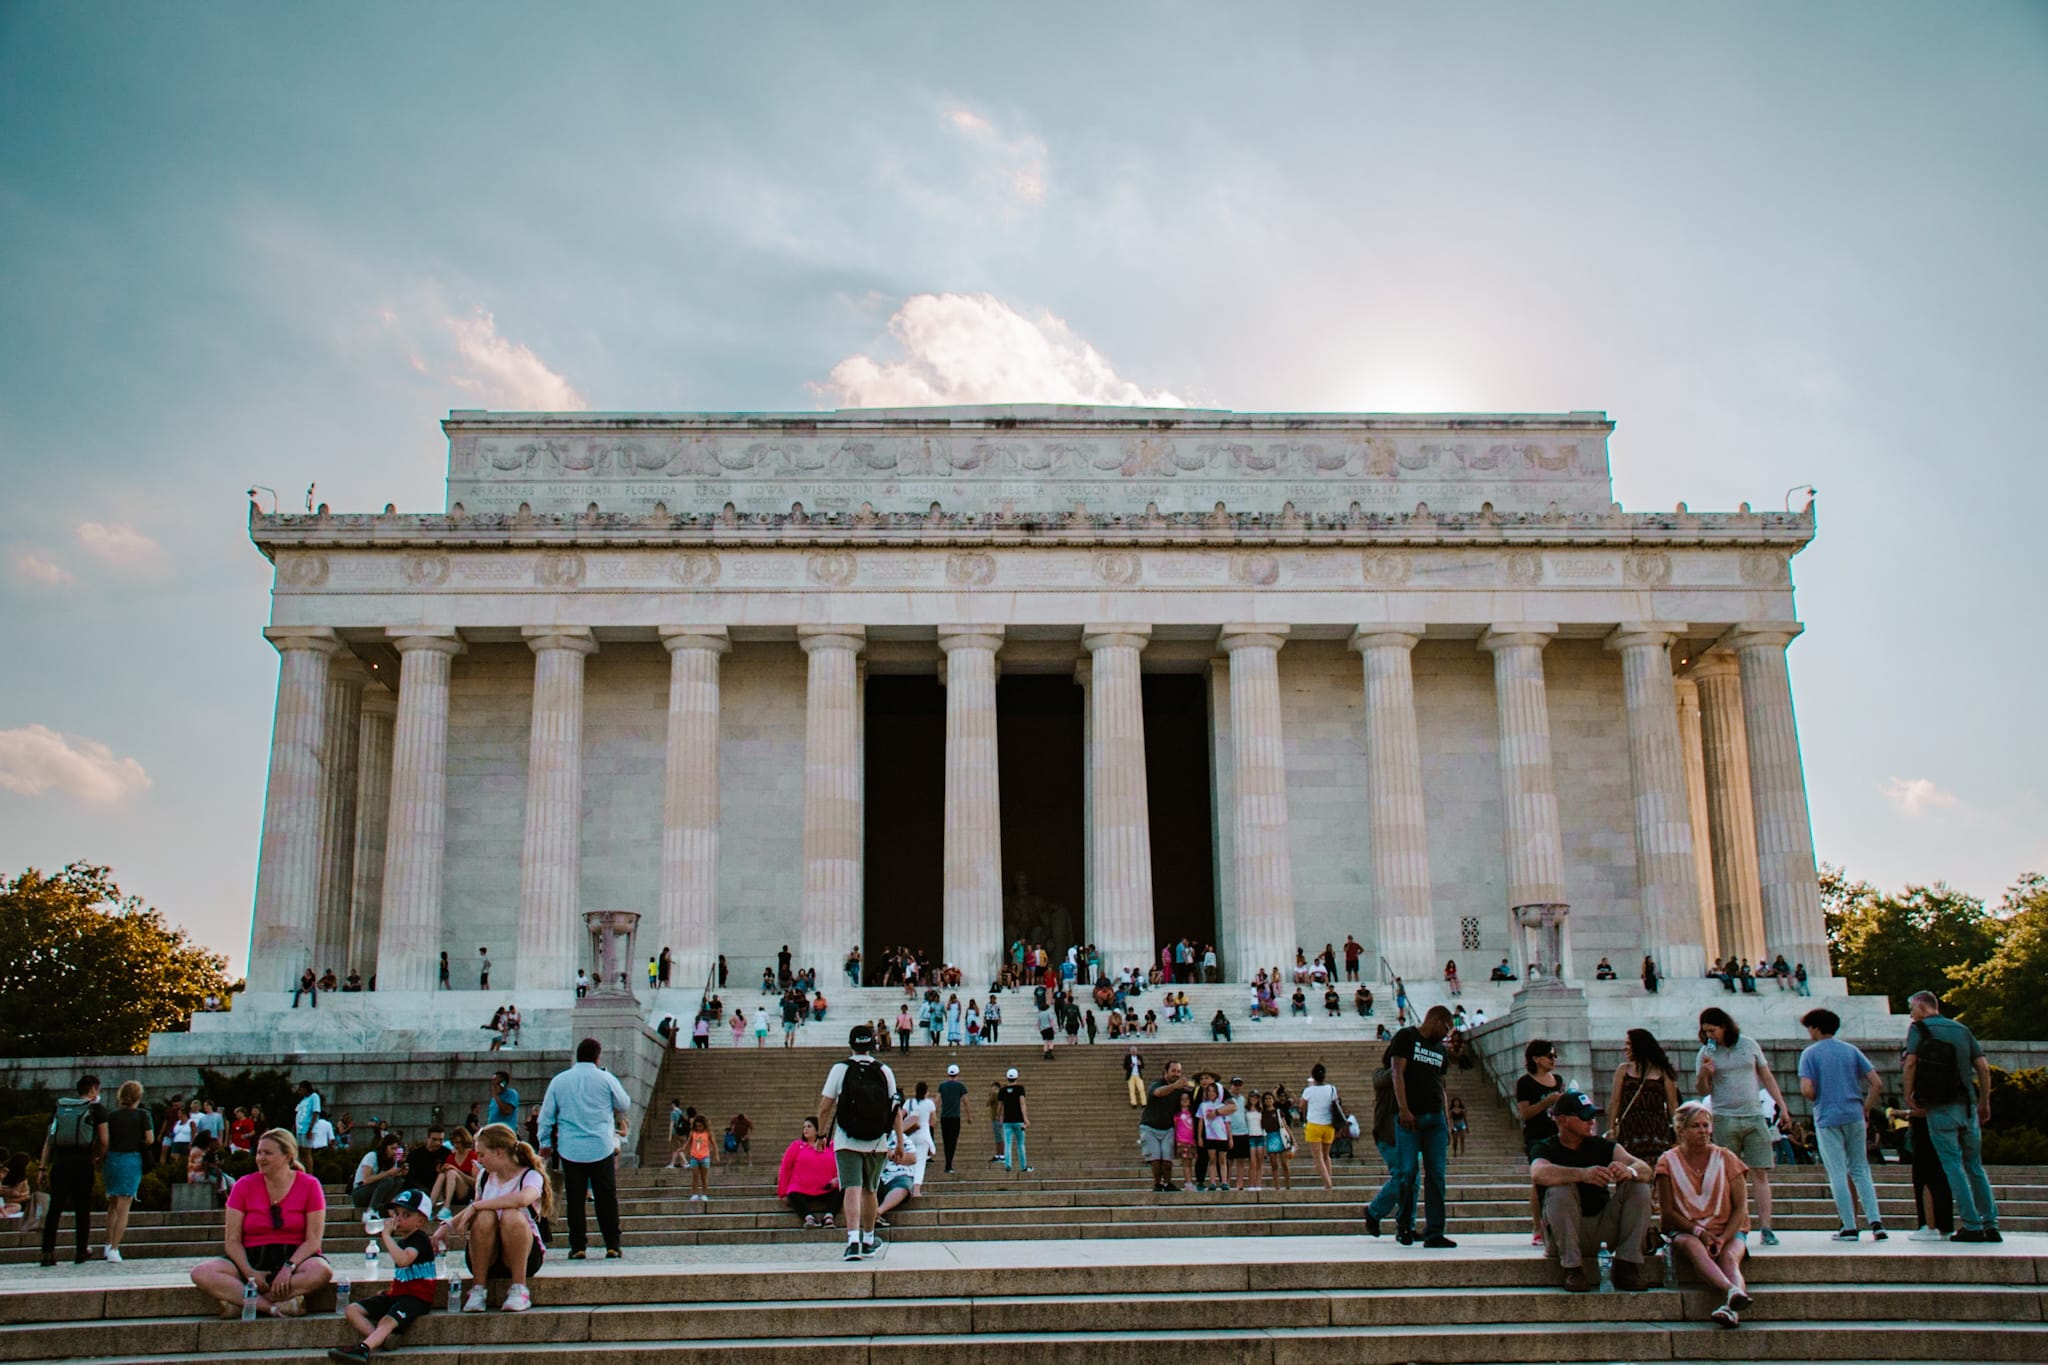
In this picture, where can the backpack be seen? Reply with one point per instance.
(71, 1128)
(1937, 1074)
(865, 1107)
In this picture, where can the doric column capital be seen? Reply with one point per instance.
(319, 638)
(1398, 635)
(379, 700)
(970, 637)
(716, 639)
(437, 639)
(575, 639)
(1753, 633)
(1716, 663)
(1111, 635)
(1644, 635)
(815, 638)
(1531, 634)
(1245, 635)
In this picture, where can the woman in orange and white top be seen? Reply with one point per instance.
(1705, 1201)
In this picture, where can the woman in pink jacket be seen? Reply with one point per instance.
(808, 1180)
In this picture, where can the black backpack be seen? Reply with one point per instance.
(1937, 1072)
(865, 1105)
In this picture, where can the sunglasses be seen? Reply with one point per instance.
(276, 1218)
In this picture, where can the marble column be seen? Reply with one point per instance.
(1535, 839)
(288, 865)
(1667, 886)
(1692, 748)
(1263, 866)
(974, 838)
(373, 813)
(1786, 874)
(346, 677)
(832, 797)
(688, 924)
(409, 937)
(551, 859)
(1731, 821)
(1406, 921)
(1120, 871)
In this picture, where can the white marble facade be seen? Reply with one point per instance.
(1449, 681)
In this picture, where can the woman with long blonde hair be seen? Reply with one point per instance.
(276, 1217)
(513, 1195)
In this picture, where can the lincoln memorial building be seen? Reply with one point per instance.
(946, 677)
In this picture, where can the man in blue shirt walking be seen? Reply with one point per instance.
(580, 1120)
(1843, 1087)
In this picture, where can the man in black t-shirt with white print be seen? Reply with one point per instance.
(1593, 1192)
(1421, 1134)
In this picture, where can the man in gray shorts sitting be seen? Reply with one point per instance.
(1155, 1126)
(858, 1108)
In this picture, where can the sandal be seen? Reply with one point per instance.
(1724, 1316)
(828, 1220)
(810, 1220)
(293, 1307)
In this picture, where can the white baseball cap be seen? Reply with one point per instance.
(1011, 1074)
(953, 1070)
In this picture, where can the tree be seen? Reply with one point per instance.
(92, 971)
(1894, 945)
(2006, 995)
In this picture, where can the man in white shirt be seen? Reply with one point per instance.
(321, 1134)
(859, 1095)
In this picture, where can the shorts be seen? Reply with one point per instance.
(1240, 1145)
(1749, 1137)
(697, 1163)
(1046, 1034)
(1217, 1145)
(860, 1170)
(1155, 1144)
(1275, 1144)
(901, 1182)
(1184, 1150)
(789, 1026)
(124, 1174)
(1318, 1133)
(401, 1307)
(269, 1258)
(535, 1254)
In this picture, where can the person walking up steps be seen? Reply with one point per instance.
(1016, 1119)
(858, 1108)
(1421, 1136)
(952, 1091)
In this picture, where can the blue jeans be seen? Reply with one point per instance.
(1390, 1189)
(1427, 1144)
(1843, 1153)
(1958, 1143)
(1013, 1147)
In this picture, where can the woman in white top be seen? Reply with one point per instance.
(920, 1117)
(503, 1221)
(1319, 1121)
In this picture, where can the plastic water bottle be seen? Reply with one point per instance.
(248, 1301)
(370, 1260)
(454, 1286)
(342, 1290)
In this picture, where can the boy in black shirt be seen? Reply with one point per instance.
(413, 1278)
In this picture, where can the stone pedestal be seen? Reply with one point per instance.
(832, 797)
(1535, 841)
(1262, 867)
(688, 925)
(289, 864)
(974, 849)
(1666, 878)
(551, 862)
(613, 953)
(409, 944)
(1406, 923)
(1120, 861)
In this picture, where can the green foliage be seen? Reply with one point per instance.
(90, 971)
(1894, 945)
(2006, 994)
(2015, 1147)
(25, 1117)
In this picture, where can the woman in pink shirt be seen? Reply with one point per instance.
(276, 1217)
(808, 1180)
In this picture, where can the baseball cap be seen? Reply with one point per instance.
(1237, 1080)
(1011, 1074)
(416, 1200)
(861, 1037)
(1576, 1105)
(953, 1070)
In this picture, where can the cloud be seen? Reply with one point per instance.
(974, 348)
(115, 543)
(1018, 163)
(40, 567)
(505, 373)
(35, 759)
(1918, 795)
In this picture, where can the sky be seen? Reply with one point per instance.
(257, 244)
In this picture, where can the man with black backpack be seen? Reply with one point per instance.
(858, 1108)
(71, 1150)
(1948, 1078)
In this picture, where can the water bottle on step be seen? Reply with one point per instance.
(248, 1301)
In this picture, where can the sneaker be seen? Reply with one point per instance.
(349, 1353)
(1628, 1277)
(880, 1221)
(1877, 1233)
(1845, 1235)
(1968, 1235)
(1535, 1239)
(518, 1299)
(1768, 1238)
(613, 1254)
(1993, 1235)
(852, 1252)
(579, 1255)
(1372, 1223)
(1405, 1236)
(1927, 1235)
(113, 1254)
(478, 1300)
(810, 1220)
(1439, 1242)
(828, 1221)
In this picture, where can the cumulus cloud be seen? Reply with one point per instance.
(36, 759)
(974, 348)
(115, 543)
(505, 373)
(39, 567)
(1919, 795)
(1018, 163)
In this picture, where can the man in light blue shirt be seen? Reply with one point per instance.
(1843, 1087)
(580, 1119)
